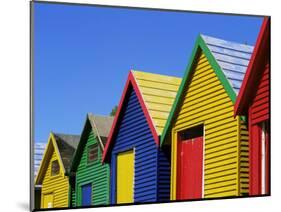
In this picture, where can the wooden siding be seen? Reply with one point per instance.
(244, 158)
(158, 92)
(164, 168)
(258, 113)
(259, 110)
(205, 101)
(134, 133)
(94, 173)
(58, 185)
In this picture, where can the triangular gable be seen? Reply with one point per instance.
(159, 93)
(226, 60)
(257, 62)
(99, 128)
(50, 148)
(139, 82)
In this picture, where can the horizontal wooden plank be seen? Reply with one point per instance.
(158, 92)
(200, 93)
(211, 106)
(220, 169)
(159, 107)
(156, 78)
(157, 85)
(219, 163)
(160, 100)
(220, 179)
(209, 82)
(221, 147)
(204, 115)
(220, 132)
(220, 189)
(221, 142)
(219, 153)
(158, 115)
(217, 175)
(219, 185)
(224, 124)
(226, 193)
(193, 102)
(227, 137)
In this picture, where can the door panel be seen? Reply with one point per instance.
(86, 191)
(265, 159)
(190, 168)
(48, 201)
(125, 177)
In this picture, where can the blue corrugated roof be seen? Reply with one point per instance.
(39, 149)
(233, 58)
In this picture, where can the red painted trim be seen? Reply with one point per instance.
(267, 158)
(253, 71)
(145, 110)
(114, 124)
(130, 82)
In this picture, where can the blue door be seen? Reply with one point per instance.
(86, 195)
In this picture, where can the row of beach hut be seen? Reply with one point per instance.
(203, 136)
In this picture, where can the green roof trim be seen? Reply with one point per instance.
(199, 44)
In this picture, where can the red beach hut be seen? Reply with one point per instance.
(253, 101)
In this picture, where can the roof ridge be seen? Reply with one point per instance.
(229, 41)
(98, 115)
(145, 72)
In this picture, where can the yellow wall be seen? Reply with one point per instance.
(206, 102)
(58, 185)
(244, 158)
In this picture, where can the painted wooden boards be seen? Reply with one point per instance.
(190, 168)
(48, 200)
(205, 102)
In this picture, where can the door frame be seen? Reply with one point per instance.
(79, 196)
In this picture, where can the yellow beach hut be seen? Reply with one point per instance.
(52, 174)
(209, 146)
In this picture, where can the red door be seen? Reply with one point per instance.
(189, 169)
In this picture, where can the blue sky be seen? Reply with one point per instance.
(82, 55)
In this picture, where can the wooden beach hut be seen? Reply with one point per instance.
(209, 147)
(89, 177)
(253, 101)
(52, 174)
(140, 170)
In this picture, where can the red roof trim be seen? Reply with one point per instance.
(130, 82)
(252, 73)
(145, 110)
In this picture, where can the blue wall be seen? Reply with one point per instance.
(150, 163)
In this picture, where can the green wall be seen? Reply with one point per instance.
(94, 173)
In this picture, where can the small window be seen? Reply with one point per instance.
(92, 153)
(55, 168)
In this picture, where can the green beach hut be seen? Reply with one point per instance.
(89, 178)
